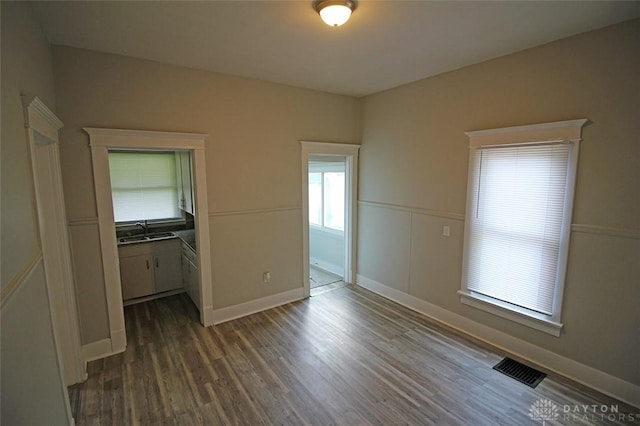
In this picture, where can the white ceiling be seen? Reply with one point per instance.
(385, 44)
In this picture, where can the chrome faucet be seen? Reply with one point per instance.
(144, 226)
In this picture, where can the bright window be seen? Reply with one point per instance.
(334, 200)
(143, 185)
(326, 195)
(517, 231)
(315, 199)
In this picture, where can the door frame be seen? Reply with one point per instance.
(42, 133)
(350, 154)
(101, 140)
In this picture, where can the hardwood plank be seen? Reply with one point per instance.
(346, 356)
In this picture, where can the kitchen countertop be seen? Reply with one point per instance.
(188, 236)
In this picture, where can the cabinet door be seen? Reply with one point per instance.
(194, 285)
(136, 275)
(185, 273)
(168, 271)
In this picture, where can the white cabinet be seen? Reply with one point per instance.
(168, 275)
(190, 274)
(184, 177)
(149, 268)
(136, 276)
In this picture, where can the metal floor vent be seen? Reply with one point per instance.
(527, 375)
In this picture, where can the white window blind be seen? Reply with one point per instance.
(143, 185)
(516, 219)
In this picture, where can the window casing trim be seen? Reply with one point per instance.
(545, 133)
(511, 312)
(570, 130)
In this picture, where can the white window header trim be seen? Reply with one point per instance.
(570, 130)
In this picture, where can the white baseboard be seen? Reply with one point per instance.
(97, 350)
(152, 297)
(243, 309)
(326, 266)
(118, 341)
(105, 347)
(588, 376)
(207, 316)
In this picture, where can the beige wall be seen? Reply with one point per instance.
(414, 155)
(32, 388)
(412, 182)
(252, 158)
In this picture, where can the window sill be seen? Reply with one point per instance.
(522, 316)
(326, 230)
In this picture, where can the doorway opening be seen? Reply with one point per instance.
(102, 141)
(152, 194)
(329, 175)
(326, 221)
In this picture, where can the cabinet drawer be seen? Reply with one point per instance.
(137, 276)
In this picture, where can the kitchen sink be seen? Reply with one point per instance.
(161, 235)
(133, 239)
(148, 237)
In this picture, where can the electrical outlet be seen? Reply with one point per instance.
(446, 231)
(266, 277)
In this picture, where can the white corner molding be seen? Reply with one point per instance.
(42, 132)
(581, 373)
(258, 305)
(570, 130)
(42, 127)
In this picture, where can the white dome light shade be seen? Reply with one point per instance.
(335, 13)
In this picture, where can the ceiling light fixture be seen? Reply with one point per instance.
(334, 12)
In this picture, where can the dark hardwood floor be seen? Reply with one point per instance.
(344, 357)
